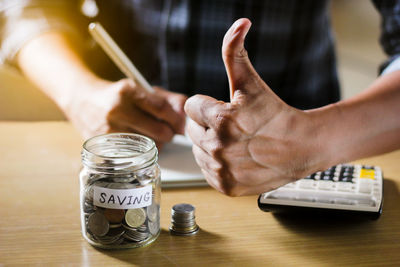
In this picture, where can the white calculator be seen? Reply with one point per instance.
(343, 188)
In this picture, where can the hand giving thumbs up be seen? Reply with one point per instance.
(256, 142)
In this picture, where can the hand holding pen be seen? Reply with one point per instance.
(136, 106)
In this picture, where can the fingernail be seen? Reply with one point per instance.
(235, 26)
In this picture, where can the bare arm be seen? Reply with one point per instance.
(365, 125)
(50, 62)
(257, 142)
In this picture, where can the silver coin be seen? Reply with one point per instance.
(88, 208)
(115, 225)
(135, 217)
(89, 192)
(152, 212)
(135, 236)
(125, 179)
(154, 227)
(183, 220)
(121, 186)
(142, 228)
(183, 208)
(184, 233)
(113, 234)
(127, 227)
(98, 224)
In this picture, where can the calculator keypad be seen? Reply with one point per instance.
(345, 184)
(341, 178)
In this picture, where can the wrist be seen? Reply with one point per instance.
(330, 135)
(77, 94)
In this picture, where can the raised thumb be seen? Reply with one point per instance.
(241, 74)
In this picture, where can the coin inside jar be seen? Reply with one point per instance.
(114, 215)
(120, 191)
(98, 224)
(135, 217)
(153, 227)
(152, 212)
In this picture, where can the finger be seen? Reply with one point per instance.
(195, 131)
(205, 110)
(218, 175)
(241, 74)
(211, 180)
(155, 104)
(207, 140)
(177, 102)
(209, 173)
(205, 161)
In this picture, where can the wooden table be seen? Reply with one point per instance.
(39, 217)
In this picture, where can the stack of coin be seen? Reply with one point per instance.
(183, 220)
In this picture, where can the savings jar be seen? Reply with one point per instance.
(120, 191)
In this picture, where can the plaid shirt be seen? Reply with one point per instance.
(177, 43)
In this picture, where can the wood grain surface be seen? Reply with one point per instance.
(40, 223)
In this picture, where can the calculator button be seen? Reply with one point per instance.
(368, 167)
(304, 198)
(326, 185)
(365, 187)
(345, 186)
(367, 174)
(346, 179)
(324, 200)
(306, 184)
(346, 201)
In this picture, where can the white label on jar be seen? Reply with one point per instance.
(122, 198)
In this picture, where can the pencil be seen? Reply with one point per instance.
(117, 55)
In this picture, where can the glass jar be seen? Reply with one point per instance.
(120, 191)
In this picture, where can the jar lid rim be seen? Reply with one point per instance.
(118, 134)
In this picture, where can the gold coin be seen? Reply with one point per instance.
(135, 217)
(114, 215)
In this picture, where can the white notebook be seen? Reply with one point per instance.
(178, 166)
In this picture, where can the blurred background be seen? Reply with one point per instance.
(356, 25)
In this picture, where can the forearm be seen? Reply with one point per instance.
(51, 63)
(365, 125)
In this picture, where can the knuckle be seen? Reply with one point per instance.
(230, 191)
(222, 119)
(225, 125)
(165, 133)
(123, 87)
(158, 104)
(230, 53)
(228, 184)
(216, 149)
(110, 118)
(162, 105)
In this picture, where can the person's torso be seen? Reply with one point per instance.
(177, 44)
